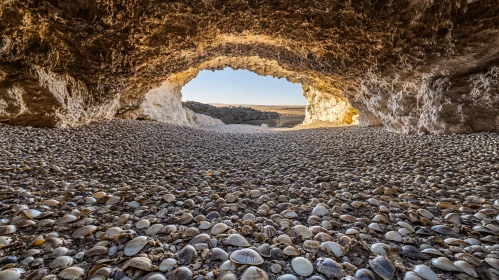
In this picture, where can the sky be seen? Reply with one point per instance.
(230, 86)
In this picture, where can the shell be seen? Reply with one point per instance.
(466, 268)
(291, 251)
(181, 273)
(393, 236)
(444, 263)
(228, 265)
(254, 273)
(494, 262)
(380, 248)
(227, 275)
(140, 263)
(382, 267)
(61, 262)
(96, 251)
(187, 255)
(425, 272)
(83, 231)
(32, 213)
(413, 253)
(269, 231)
(99, 272)
(38, 274)
(10, 274)
(364, 274)
(65, 219)
(330, 268)
(332, 247)
(263, 250)
(237, 240)
(445, 230)
(219, 228)
(287, 277)
(219, 254)
(200, 238)
(73, 272)
(135, 245)
(311, 246)
(246, 256)
(303, 231)
(8, 229)
(167, 265)
(302, 266)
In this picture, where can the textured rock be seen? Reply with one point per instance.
(413, 66)
(230, 114)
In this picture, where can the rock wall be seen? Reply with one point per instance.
(328, 108)
(232, 114)
(413, 66)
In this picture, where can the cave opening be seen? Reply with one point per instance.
(243, 97)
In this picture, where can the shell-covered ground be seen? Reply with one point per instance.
(146, 200)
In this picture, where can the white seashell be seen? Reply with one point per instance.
(237, 241)
(425, 213)
(445, 264)
(70, 273)
(61, 262)
(304, 231)
(142, 224)
(51, 202)
(302, 266)
(219, 228)
(154, 229)
(8, 229)
(229, 265)
(169, 197)
(204, 225)
(66, 219)
(466, 268)
(113, 231)
(246, 256)
(10, 274)
(113, 200)
(393, 236)
(380, 249)
(425, 272)
(494, 262)
(83, 231)
(289, 214)
(254, 273)
(332, 247)
(135, 245)
(319, 211)
(167, 265)
(375, 227)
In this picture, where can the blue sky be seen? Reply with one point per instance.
(242, 87)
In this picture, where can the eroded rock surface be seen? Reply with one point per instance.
(413, 66)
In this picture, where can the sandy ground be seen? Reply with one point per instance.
(291, 115)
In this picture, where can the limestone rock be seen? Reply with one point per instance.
(412, 66)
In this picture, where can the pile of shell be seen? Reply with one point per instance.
(129, 200)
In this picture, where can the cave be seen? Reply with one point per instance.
(65, 64)
(104, 174)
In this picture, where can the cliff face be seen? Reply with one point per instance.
(232, 114)
(413, 66)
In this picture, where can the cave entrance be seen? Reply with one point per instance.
(327, 104)
(244, 97)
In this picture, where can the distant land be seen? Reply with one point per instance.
(291, 115)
